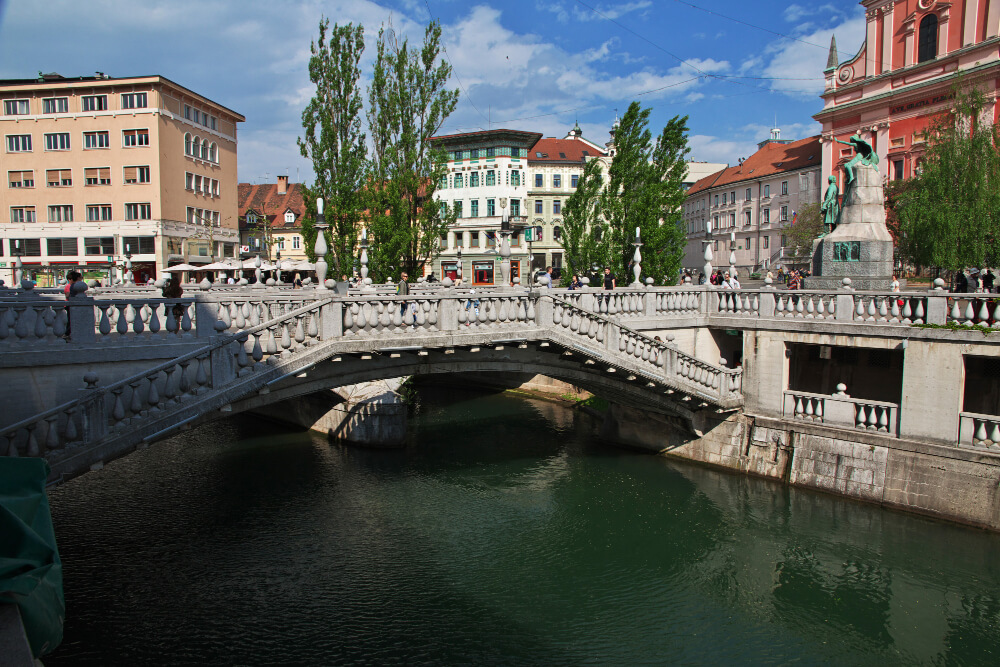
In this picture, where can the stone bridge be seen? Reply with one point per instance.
(824, 388)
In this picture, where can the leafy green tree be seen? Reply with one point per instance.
(800, 236)
(582, 225)
(335, 143)
(949, 214)
(408, 103)
(644, 191)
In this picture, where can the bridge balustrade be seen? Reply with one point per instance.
(979, 431)
(844, 411)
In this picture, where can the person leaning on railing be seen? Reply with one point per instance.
(172, 290)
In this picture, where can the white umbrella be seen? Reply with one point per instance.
(219, 266)
(304, 266)
(251, 264)
(181, 268)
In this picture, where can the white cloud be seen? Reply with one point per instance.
(705, 148)
(609, 11)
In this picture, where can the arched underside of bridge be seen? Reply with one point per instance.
(536, 358)
(330, 366)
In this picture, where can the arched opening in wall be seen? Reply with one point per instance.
(927, 38)
(187, 144)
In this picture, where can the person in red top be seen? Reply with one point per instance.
(71, 278)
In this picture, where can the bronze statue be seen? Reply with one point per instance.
(865, 155)
(830, 207)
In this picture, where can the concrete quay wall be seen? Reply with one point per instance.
(949, 483)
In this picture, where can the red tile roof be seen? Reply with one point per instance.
(773, 158)
(265, 200)
(562, 150)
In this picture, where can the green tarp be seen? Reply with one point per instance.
(30, 569)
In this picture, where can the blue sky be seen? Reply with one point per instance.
(734, 67)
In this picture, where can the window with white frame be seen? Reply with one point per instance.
(133, 100)
(61, 247)
(289, 218)
(784, 213)
(57, 141)
(99, 245)
(61, 213)
(766, 242)
(556, 207)
(96, 140)
(188, 180)
(22, 214)
(95, 102)
(784, 187)
(97, 175)
(58, 178)
(296, 242)
(21, 179)
(55, 105)
(724, 195)
(133, 138)
(556, 180)
(16, 107)
(732, 219)
(767, 190)
(98, 212)
(538, 180)
(18, 143)
(135, 174)
(746, 218)
(138, 211)
(747, 195)
(766, 216)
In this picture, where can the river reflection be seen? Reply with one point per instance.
(505, 533)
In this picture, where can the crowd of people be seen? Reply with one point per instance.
(975, 282)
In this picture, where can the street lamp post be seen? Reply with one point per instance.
(17, 262)
(128, 264)
(320, 248)
(504, 244)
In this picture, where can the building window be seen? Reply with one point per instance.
(18, 143)
(767, 242)
(491, 177)
(138, 212)
(21, 179)
(538, 207)
(55, 105)
(188, 150)
(60, 214)
(98, 212)
(747, 195)
(65, 247)
(95, 103)
(22, 214)
(556, 180)
(716, 200)
(556, 207)
(139, 245)
(99, 245)
(27, 247)
(136, 174)
(289, 217)
(458, 180)
(927, 49)
(133, 100)
(16, 107)
(491, 152)
(457, 207)
(96, 139)
(784, 214)
(474, 179)
(491, 207)
(515, 207)
(897, 170)
(515, 178)
(296, 243)
(474, 208)
(732, 197)
(732, 219)
(482, 273)
(784, 241)
(58, 178)
(746, 218)
(715, 222)
(132, 138)
(767, 216)
(474, 154)
(767, 190)
(724, 195)
(573, 180)
(97, 175)
(539, 178)
(57, 141)
(784, 187)
(281, 243)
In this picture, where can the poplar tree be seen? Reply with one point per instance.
(948, 215)
(644, 190)
(407, 104)
(335, 143)
(583, 230)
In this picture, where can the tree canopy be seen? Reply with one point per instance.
(948, 215)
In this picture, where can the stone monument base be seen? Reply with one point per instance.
(860, 248)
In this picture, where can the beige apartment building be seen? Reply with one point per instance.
(100, 167)
(756, 201)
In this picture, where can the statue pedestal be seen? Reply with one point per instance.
(860, 248)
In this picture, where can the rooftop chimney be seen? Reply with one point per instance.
(282, 184)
